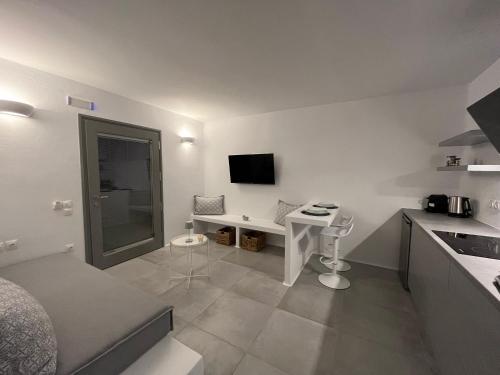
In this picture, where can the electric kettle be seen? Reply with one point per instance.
(459, 207)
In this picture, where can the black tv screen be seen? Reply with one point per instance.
(486, 113)
(252, 169)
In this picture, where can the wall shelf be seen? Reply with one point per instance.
(472, 168)
(469, 138)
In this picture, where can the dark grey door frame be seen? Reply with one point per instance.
(127, 252)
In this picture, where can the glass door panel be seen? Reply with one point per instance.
(125, 187)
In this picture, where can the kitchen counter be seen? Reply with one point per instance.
(481, 271)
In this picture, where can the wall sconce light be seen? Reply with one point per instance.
(9, 107)
(189, 140)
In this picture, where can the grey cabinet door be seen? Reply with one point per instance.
(416, 270)
(461, 325)
(476, 326)
(428, 277)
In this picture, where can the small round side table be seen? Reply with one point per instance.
(197, 240)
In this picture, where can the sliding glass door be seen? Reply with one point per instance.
(122, 185)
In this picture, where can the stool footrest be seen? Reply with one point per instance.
(327, 261)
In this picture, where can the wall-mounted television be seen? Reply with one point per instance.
(252, 169)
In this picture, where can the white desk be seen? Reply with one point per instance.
(302, 239)
(301, 234)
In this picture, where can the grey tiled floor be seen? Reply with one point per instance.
(245, 321)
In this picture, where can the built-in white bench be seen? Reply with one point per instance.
(263, 225)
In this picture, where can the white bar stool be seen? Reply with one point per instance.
(342, 265)
(332, 279)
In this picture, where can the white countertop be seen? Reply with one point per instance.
(480, 270)
(322, 221)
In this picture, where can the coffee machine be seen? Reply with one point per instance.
(437, 203)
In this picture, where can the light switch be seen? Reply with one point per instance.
(495, 204)
(57, 205)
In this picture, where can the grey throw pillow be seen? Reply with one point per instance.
(283, 210)
(27, 340)
(208, 205)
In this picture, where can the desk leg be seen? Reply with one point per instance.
(237, 237)
(288, 252)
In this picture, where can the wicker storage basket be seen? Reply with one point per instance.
(253, 240)
(226, 236)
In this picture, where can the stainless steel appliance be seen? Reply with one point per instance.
(404, 254)
(459, 206)
(471, 244)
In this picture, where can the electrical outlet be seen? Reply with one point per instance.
(67, 204)
(11, 244)
(69, 247)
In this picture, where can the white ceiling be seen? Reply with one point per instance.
(218, 58)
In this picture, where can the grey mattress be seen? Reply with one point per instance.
(102, 324)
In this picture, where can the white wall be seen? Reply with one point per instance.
(482, 187)
(40, 160)
(372, 156)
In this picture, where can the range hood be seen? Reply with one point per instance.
(486, 113)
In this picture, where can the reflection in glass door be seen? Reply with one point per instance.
(125, 182)
(124, 210)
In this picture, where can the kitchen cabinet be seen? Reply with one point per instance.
(476, 325)
(428, 282)
(461, 325)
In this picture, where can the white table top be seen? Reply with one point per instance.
(322, 221)
(181, 240)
